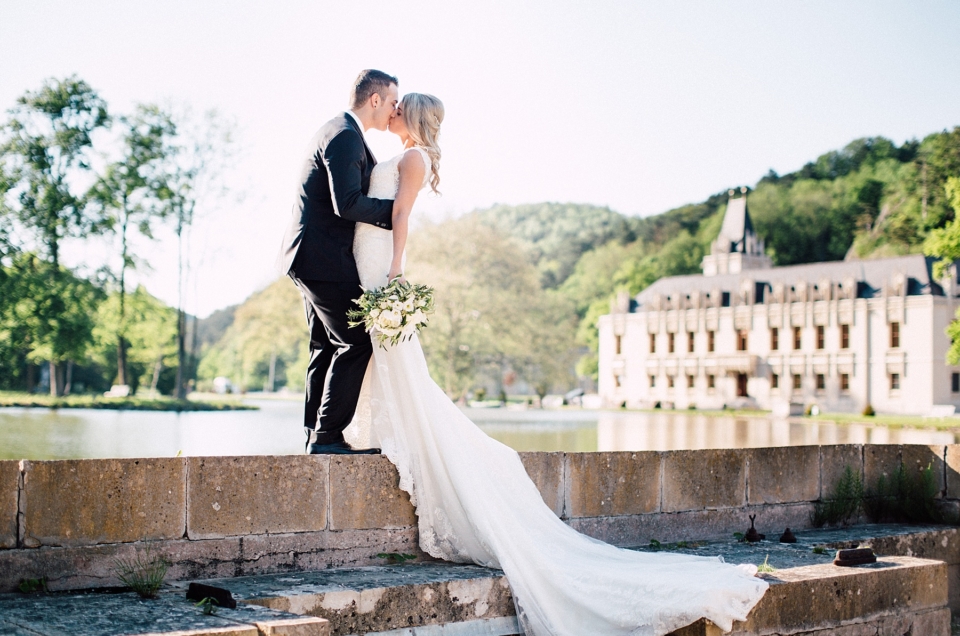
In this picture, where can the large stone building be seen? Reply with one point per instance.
(839, 335)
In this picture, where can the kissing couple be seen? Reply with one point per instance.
(474, 500)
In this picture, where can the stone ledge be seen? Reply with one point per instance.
(610, 484)
(99, 614)
(95, 501)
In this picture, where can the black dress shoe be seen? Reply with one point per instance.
(339, 448)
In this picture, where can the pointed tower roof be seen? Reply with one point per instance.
(737, 233)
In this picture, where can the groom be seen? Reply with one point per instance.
(317, 254)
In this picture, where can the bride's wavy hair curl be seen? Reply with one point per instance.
(423, 115)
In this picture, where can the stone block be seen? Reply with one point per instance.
(546, 471)
(304, 626)
(834, 460)
(783, 475)
(879, 459)
(365, 493)
(97, 501)
(9, 502)
(917, 457)
(952, 469)
(236, 496)
(693, 480)
(611, 484)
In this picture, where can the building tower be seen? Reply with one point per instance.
(737, 248)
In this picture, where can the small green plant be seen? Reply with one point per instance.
(844, 503)
(868, 411)
(739, 536)
(819, 549)
(29, 586)
(905, 496)
(144, 573)
(765, 567)
(208, 606)
(396, 558)
(682, 544)
(654, 544)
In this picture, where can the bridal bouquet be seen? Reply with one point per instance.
(394, 312)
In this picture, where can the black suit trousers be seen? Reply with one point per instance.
(338, 358)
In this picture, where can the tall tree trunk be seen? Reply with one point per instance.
(121, 323)
(56, 379)
(68, 384)
(273, 370)
(31, 378)
(181, 388)
(157, 368)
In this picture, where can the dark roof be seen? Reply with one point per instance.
(871, 275)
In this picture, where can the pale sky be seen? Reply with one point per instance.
(641, 106)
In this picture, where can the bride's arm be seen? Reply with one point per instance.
(412, 169)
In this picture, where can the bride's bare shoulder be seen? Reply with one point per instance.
(412, 162)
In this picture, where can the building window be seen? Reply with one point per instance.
(797, 382)
(894, 335)
(653, 343)
(689, 342)
(775, 381)
(669, 381)
(844, 382)
(774, 339)
(711, 381)
(894, 381)
(820, 337)
(955, 382)
(670, 341)
(821, 382)
(844, 336)
(616, 341)
(653, 381)
(742, 340)
(710, 340)
(690, 380)
(797, 341)
(616, 381)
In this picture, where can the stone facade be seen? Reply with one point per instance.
(838, 335)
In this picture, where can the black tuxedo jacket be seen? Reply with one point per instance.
(331, 200)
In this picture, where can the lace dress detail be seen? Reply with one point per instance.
(475, 502)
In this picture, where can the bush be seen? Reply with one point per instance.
(905, 498)
(844, 503)
(868, 411)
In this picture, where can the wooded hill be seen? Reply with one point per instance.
(520, 288)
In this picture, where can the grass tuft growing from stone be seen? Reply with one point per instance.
(143, 574)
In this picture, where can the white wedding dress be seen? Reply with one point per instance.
(476, 504)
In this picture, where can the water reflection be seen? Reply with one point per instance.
(275, 430)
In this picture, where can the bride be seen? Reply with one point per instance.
(474, 500)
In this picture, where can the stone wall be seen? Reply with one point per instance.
(68, 521)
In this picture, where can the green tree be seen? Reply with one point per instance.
(945, 244)
(49, 310)
(131, 193)
(45, 155)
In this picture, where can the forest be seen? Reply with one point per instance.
(519, 288)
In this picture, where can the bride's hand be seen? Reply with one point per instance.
(395, 273)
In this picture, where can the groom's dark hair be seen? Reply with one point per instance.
(368, 82)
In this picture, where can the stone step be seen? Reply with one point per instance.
(109, 613)
(436, 599)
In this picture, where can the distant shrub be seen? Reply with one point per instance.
(868, 411)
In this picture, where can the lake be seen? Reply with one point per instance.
(275, 430)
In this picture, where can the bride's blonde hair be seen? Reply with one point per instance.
(423, 115)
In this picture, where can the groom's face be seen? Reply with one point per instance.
(383, 111)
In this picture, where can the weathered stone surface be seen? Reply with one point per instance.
(378, 599)
(303, 626)
(834, 461)
(823, 596)
(879, 459)
(694, 480)
(9, 502)
(605, 484)
(783, 475)
(693, 525)
(546, 471)
(93, 501)
(952, 469)
(235, 496)
(917, 457)
(365, 493)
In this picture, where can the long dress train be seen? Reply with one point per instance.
(476, 504)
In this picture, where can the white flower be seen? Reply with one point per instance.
(409, 329)
(408, 305)
(375, 313)
(418, 318)
(389, 319)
